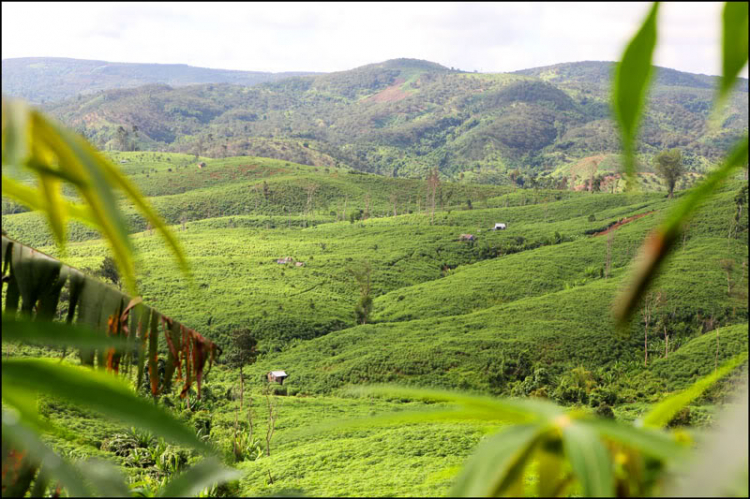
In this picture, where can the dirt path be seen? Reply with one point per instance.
(622, 222)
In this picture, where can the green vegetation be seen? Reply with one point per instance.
(347, 280)
(405, 116)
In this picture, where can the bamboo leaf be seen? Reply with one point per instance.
(550, 466)
(497, 462)
(107, 480)
(117, 178)
(590, 460)
(55, 334)
(80, 159)
(660, 242)
(659, 416)
(734, 45)
(20, 436)
(32, 198)
(15, 133)
(631, 81)
(651, 442)
(99, 391)
(203, 475)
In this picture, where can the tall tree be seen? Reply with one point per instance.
(669, 166)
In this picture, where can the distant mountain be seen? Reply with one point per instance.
(403, 116)
(42, 79)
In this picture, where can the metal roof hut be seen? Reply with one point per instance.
(277, 376)
(499, 226)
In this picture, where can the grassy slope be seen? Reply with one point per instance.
(468, 310)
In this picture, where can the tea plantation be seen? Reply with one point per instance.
(524, 311)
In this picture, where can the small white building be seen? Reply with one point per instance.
(277, 376)
(499, 226)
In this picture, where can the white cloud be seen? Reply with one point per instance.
(339, 36)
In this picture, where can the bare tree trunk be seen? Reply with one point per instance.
(666, 343)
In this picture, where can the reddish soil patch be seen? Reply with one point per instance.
(390, 94)
(621, 223)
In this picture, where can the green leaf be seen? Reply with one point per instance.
(79, 159)
(99, 391)
(21, 437)
(631, 81)
(660, 242)
(32, 198)
(590, 460)
(15, 132)
(550, 466)
(719, 467)
(106, 479)
(659, 416)
(56, 334)
(203, 475)
(498, 462)
(734, 45)
(654, 443)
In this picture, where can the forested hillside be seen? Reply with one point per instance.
(405, 116)
(44, 79)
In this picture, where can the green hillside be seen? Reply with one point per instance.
(544, 284)
(520, 312)
(405, 116)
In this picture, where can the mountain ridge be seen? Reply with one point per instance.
(402, 117)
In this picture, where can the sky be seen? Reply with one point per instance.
(325, 37)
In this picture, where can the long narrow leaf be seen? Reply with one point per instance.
(99, 391)
(651, 442)
(55, 334)
(660, 242)
(734, 45)
(203, 475)
(497, 462)
(590, 460)
(20, 436)
(632, 78)
(31, 198)
(659, 416)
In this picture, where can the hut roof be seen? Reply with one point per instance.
(278, 374)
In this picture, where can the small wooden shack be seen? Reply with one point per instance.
(466, 237)
(499, 226)
(277, 377)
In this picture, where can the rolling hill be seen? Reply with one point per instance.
(405, 116)
(522, 312)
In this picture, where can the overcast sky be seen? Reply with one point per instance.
(488, 37)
